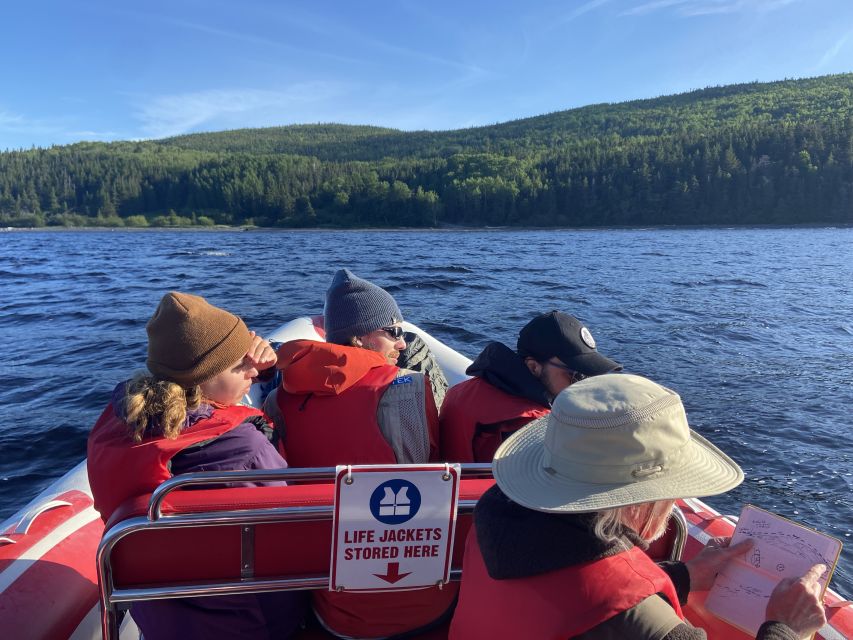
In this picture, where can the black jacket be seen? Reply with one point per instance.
(504, 369)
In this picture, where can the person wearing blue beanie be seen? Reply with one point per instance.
(347, 401)
(360, 314)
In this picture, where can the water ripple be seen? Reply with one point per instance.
(759, 350)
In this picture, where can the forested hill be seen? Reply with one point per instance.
(688, 113)
(771, 153)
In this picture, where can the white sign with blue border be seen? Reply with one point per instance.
(393, 527)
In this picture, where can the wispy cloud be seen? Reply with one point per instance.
(693, 8)
(581, 10)
(58, 130)
(328, 30)
(16, 123)
(426, 57)
(338, 32)
(172, 115)
(321, 25)
(831, 53)
(649, 7)
(9, 119)
(88, 134)
(254, 39)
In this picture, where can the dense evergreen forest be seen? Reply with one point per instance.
(769, 153)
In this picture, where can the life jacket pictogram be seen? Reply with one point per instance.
(476, 417)
(120, 469)
(558, 604)
(328, 430)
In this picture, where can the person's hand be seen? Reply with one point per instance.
(797, 603)
(705, 566)
(261, 354)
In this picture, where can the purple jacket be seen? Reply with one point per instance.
(258, 616)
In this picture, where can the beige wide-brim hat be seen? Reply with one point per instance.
(610, 441)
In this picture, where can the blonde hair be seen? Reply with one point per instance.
(147, 397)
(647, 519)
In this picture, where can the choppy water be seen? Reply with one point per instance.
(753, 327)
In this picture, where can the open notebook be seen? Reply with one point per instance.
(783, 548)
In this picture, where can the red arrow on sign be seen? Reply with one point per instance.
(392, 574)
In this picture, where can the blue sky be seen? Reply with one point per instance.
(93, 70)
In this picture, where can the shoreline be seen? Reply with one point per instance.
(448, 229)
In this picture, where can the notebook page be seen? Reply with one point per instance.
(782, 549)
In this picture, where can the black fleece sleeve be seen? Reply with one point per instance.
(767, 631)
(772, 630)
(680, 576)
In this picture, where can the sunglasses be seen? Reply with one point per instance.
(394, 332)
(577, 376)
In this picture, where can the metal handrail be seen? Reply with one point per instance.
(30, 516)
(110, 597)
(312, 474)
(681, 533)
(154, 519)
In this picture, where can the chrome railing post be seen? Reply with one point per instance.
(680, 522)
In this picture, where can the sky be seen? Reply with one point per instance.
(118, 70)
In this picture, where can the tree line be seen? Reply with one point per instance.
(773, 153)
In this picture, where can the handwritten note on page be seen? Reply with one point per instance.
(782, 549)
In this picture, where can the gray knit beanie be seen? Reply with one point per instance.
(355, 307)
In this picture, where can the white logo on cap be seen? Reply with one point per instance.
(586, 336)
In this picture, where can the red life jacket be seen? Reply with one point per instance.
(120, 469)
(324, 431)
(329, 400)
(476, 417)
(559, 604)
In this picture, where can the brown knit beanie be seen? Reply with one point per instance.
(190, 340)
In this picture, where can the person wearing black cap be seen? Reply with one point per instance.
(511, 388)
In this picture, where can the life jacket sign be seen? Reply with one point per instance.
(394, 526)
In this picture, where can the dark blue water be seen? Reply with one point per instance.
(753, 327)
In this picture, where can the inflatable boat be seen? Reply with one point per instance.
(65, 575)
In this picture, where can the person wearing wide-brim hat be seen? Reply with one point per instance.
(557, 545)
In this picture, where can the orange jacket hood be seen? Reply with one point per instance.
(308, 366)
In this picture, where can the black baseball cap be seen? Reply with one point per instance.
(559, 334)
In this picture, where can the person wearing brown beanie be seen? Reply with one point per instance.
(183, 416)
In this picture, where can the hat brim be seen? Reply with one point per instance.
(521, 474)
(591, 363)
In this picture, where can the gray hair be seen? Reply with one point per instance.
(647, 519)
